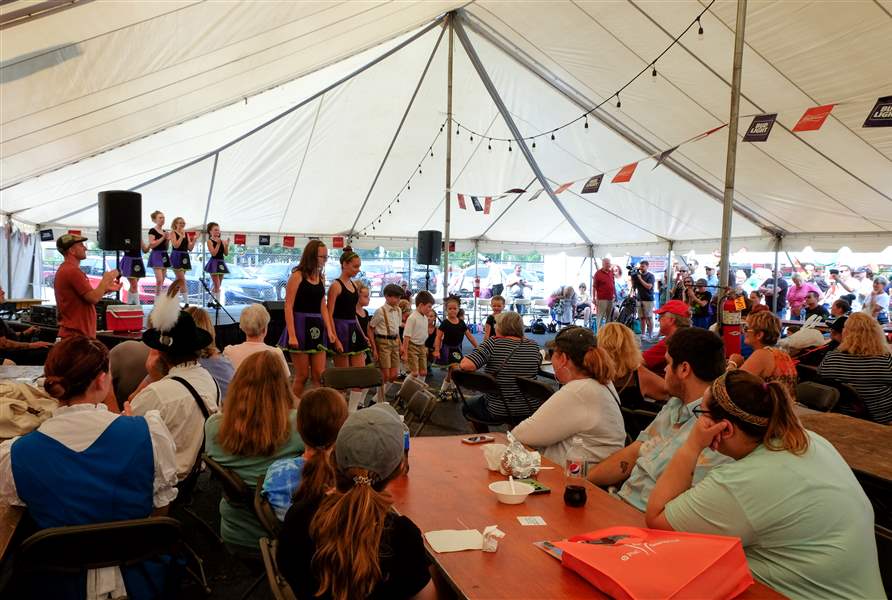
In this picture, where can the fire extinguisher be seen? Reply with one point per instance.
(477, 287)
(731, 326)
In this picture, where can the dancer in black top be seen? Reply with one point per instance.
(179, 258)
(216, 266)
(133, 268)
(349, 344)
(450, 335)
(307, 326)
(158, 257)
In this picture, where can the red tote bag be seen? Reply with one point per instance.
(644, 564)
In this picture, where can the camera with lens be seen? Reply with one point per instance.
(632, 269)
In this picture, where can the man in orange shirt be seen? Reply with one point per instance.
(75, 298)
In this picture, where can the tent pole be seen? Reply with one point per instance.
(396, 134)
(512, 126)
(450, 19)
(777, 248)
(731, 161)
(476, 274)
(204, 246)
(590, 285)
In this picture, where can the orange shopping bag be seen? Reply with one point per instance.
(643, 564)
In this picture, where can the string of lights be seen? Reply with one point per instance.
(652, 66)
(388, 210)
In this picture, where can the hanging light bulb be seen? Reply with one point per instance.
(408, 186)
(432, 153)
(388, 212)
(489, 144)
(457, 128)
(653, 74)
(618, 103)
(397, 199)
(534, 144)
(419, 170)
(699, 29)
(472, 137)
(552, 136)
(586, 121)
(441, 127)
(509, 145)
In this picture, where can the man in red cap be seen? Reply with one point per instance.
(673, 315)
(75, 298)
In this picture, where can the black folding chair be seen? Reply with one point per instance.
(264, 511)
(533, 388)
(482, 383)
(817, 396)
(345, 378)
(277, 584)
(419, 410)
(59, 551)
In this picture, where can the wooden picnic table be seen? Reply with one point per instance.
(866, 446)
(446, 488)
(10, 516)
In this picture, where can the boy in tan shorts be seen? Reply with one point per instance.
(385, 341)
(414, 352)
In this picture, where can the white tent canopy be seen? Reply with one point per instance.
(116, 95)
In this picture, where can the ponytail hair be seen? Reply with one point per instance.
(72, 366)
(347, 530)
(762, 410)
(211, 225)
(320, 415)
(348, 254)
(599, 366)
(581, 347)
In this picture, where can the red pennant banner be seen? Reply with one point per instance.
(563, 187)
(625, 174)
(461, 202)
(813, 118)
(239, 239)
(713, 130)
(337, 241)
(74, 231)
(288, 241)
(487, 204)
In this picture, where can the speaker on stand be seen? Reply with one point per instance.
(119, 223)
(430, 244)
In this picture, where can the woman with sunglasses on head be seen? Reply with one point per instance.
(804, 521)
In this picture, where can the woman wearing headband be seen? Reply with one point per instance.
(806, 525)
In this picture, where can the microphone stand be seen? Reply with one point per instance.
(217, 306)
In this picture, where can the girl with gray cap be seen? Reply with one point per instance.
(349, 544)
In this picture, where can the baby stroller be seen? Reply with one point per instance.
(628, 312)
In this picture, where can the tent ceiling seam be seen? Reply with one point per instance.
(784, 127)
(614, 125)
(180, 63)
(303, 160)
(882, 8)
(228, 103)
(399, 128)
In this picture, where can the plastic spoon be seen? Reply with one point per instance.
(511, 481)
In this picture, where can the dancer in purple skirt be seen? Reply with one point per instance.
(134, 269)
(307, 326)
(158, 257)
(216, 266)
(179, 257)
(349, 345)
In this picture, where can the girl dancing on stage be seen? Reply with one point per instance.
(179, 258)
(450, 336)
(158, 257)
(307, 327)
(350, 344)
(133, 268)
(216, 266)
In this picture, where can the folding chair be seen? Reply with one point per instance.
(533, 388)
(345, 378)
(419, 410)
(817, 396)
(884, 554)
(807, 373)
(636, 419)
(57, 551)
(277, 584)
(264, 511)
(482, 383)
(409, 387)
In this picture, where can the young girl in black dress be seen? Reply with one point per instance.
(159, 260)
(350, 344)
(179, 258)
(450, 335)
(307, 326)
(216, 266)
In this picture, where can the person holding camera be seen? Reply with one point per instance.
(643, 283)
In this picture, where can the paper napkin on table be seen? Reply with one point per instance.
(454, 540)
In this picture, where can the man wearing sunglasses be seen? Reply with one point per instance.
(694, 358)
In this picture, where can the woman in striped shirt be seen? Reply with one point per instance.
(504, 356)
(864, 361)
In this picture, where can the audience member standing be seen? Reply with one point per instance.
(797, 293)
(76, 299)
(877, 303)
(256, 428)
(605, 291)
(775, 286)
(805, 523)
(643, 282)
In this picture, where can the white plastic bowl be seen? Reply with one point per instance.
(502, 490)
(493, 455)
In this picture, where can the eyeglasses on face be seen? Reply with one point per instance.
(702, 412)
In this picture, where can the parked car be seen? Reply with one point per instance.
(276, 274)
(238, 286)
(93, 268)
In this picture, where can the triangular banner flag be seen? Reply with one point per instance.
(625, 174)
(239, 239)
(477, 206)
(813, 118)
(536, 195)
(881, 115)
(563, 187)
(288, 241)
(711, 131)
(461, 202)
(760, 128)
(593, 185)
(664, 155)
(487, 204)
(516, 191)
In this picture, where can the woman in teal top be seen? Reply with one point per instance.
(806, 526)
(256, 428)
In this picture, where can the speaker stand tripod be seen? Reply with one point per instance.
(217, 306)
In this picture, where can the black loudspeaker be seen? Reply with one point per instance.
(429, 247)
(119, 220)
(276, 326)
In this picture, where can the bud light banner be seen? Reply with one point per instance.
(881, 115)
(46, 235)
(760, 128)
